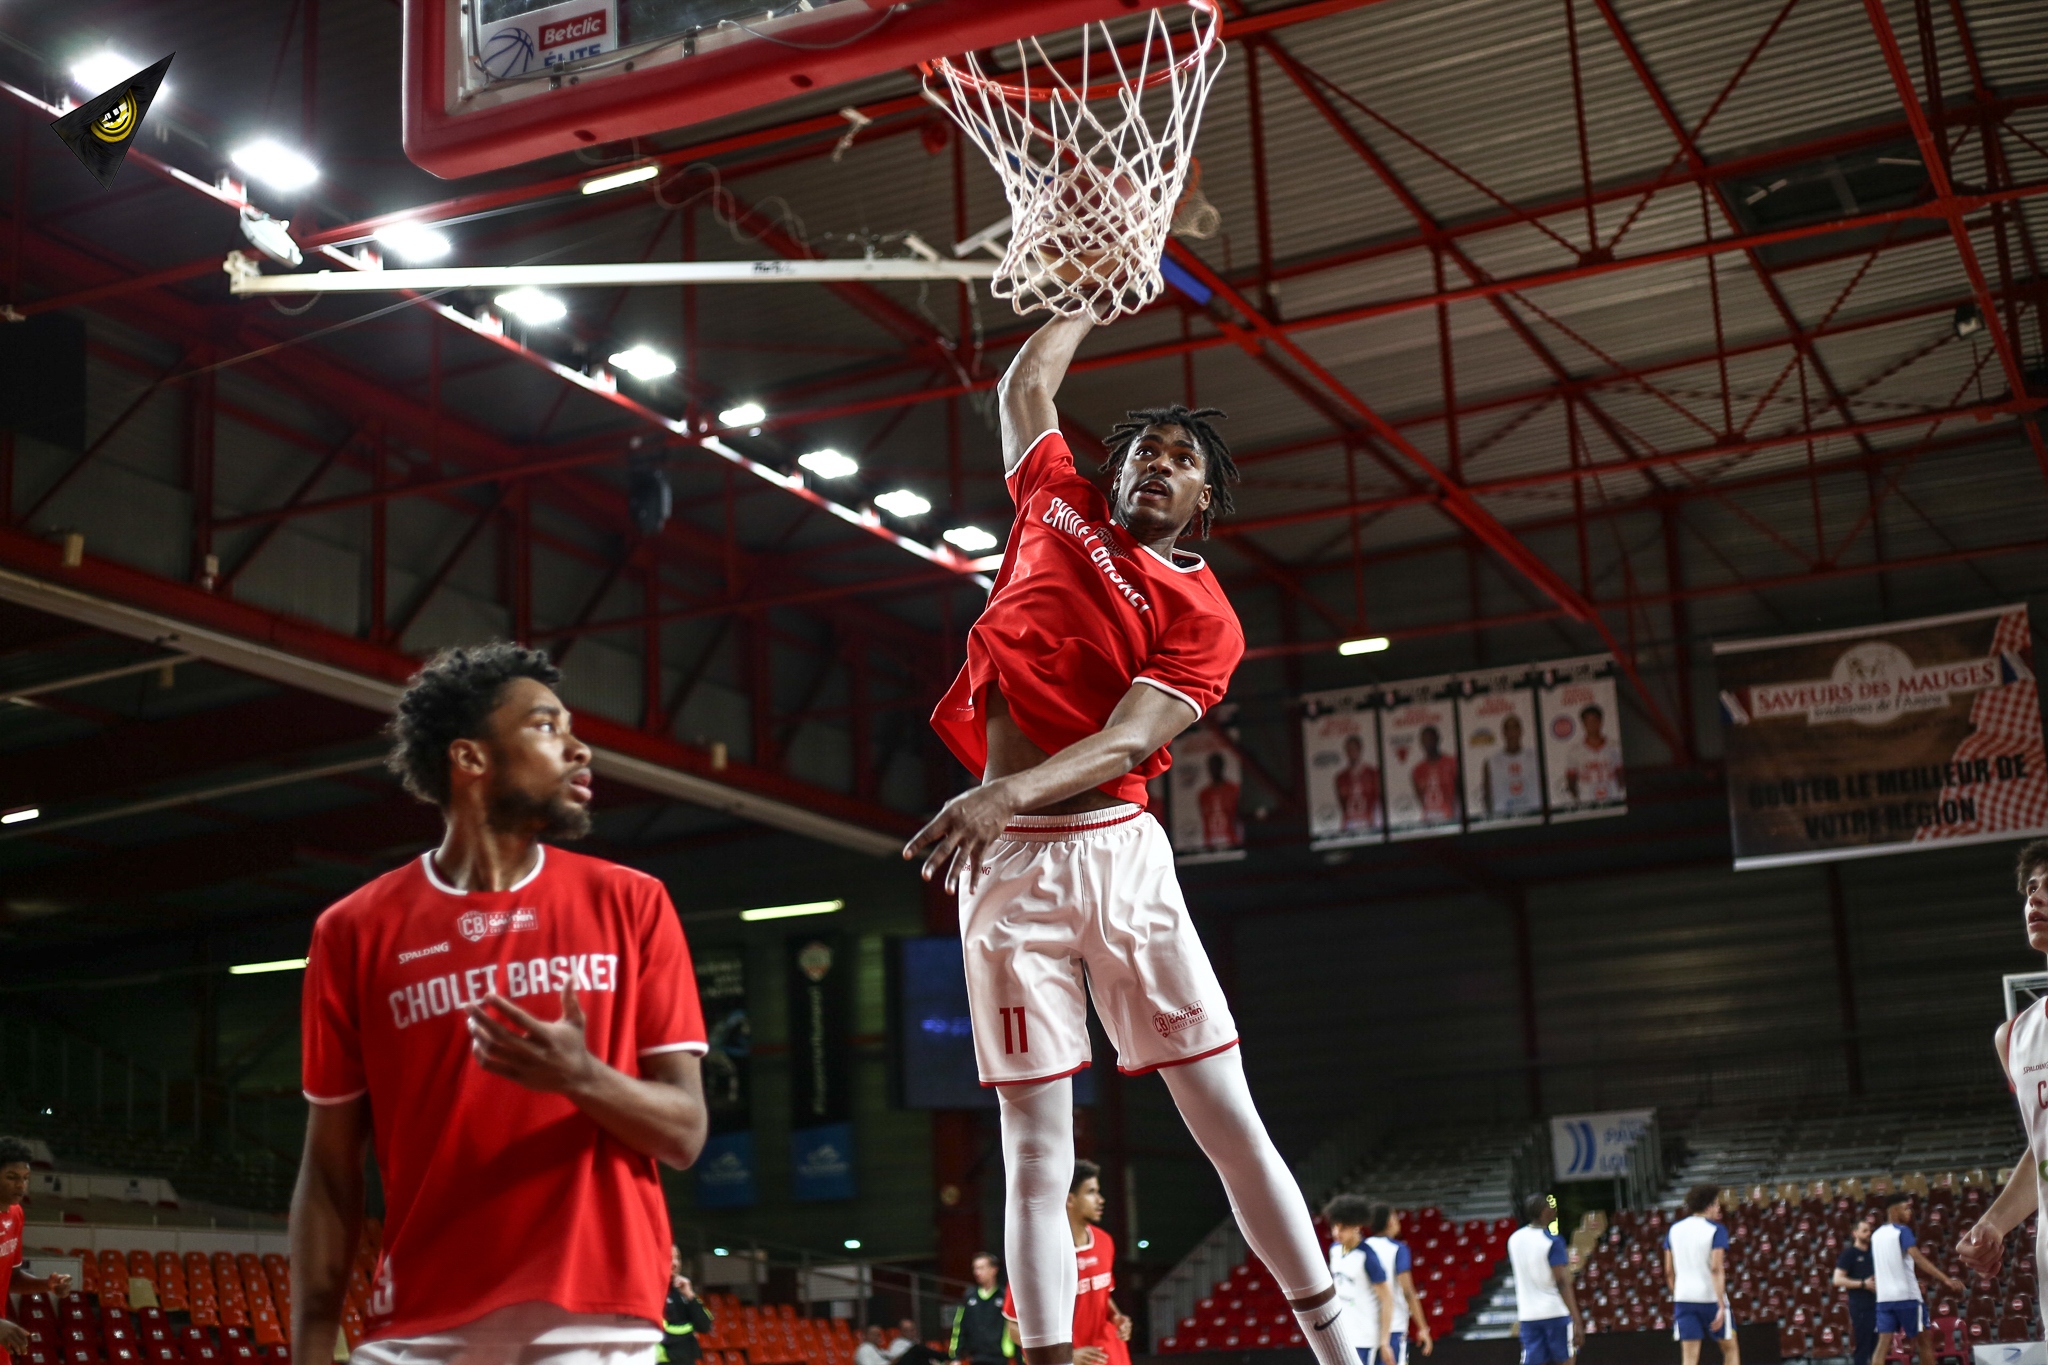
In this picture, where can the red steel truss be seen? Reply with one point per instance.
(795, 601)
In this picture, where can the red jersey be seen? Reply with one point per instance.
(1436, 787)
(1219, 815)
(495, 1194)
(1079, 613)
(10, 1258)
(1358, 795)
(1095, 1276)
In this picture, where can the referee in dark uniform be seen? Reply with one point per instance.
(1857, 1273)
(683, 1317)
(979, 1336)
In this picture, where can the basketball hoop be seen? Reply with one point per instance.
(1096, 154)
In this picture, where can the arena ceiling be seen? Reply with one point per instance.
(1544, 326)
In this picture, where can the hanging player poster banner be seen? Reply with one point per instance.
(1340, 749)
(820, 1064)
(1419, 741)
(1884, 739)
(728, 1084)
(1203, 788)
(1503, 769)
(1582, 766)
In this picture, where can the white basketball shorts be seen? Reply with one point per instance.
(1068, 906)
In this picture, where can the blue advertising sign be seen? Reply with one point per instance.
(725, 1172)
(821, 1162)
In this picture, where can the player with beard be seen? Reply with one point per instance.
(516, 1028)
(1101, 641)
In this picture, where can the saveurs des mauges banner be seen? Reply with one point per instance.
(1853, 743)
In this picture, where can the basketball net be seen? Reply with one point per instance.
(1096, 155)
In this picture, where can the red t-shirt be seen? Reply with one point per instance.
(10, 1258)
(1079, 613)
(1095, 1276)
(1358, 793)
(495, 1194)
(1219, 814)
(1436, 787)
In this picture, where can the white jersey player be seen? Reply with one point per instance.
(1511, 784)
(1696, 1268)
(1363, 1285)
(2022, 1044)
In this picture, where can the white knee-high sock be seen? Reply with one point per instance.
(1038, 1166)
(1216, 1104)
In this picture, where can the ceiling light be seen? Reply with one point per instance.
(621, 179)
(288, 964)
(970, 539)
(102, 71)
(16, 817)
(903, 503)
(414, 241)
(851, 1244)
(830, 464)
(1372, 644)
(643, 362)
(720, 1251)
(1968, 321)
(275, 164)
(532, 307)
(745, 415)
(792, 911)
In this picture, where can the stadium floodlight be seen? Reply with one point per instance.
(414, 241)
(287, 964)
(744, 415)
(103, 70)
(830, 464)
(792, 911)
(970, 539)
(275, 164)
(22, 816)
(903, 503)
(1371, 644)
(644, 362)
(532, 307)
(620, 179)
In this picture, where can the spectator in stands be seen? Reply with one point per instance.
(1399, 1263)
(1696, 1269)
(14, 1169)
(1857, 1273)
(871, 1351)
(682, 1317)
(516, 1028)
(1363, 1284)
(979, 1335)
(1546, 1310)
(906, 1349)
(1901, 1311)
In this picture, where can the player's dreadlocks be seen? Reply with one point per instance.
(1218, 468)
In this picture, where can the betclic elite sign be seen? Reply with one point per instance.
(1887, 739)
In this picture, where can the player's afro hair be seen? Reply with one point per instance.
(1351, 1210)
(1700, 1198)
(1218, 469)
(13, 1151)
(448, 700)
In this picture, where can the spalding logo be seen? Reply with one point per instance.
(1187, 1016)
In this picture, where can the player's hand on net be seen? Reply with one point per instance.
(959, 834)
(1981, 1249)
(547, 1056)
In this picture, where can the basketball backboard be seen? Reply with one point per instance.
(492, 83)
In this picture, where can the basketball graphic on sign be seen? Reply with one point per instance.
(509, 52)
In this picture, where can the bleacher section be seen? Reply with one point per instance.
(773, 1334)
(246, 1176)
(1782, 1250)
(142, 1308)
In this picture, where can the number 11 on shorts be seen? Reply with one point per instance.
(1016, 1036)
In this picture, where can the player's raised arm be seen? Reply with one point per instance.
(1029, 385)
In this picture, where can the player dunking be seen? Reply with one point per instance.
(2022, 1044)
(1100, 643)
(517, 1029)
